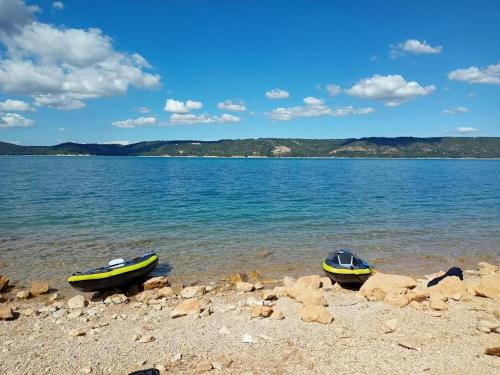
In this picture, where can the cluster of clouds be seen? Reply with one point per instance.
(63, 68)
(315, 107)
(181, 114)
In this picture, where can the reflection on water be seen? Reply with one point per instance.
(212, 216)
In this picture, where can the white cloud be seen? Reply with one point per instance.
(452, 111)
(143, 110)
(314, 108)
(64, 66)
(62, 102)
(393, 90)
(466, 130)
(333, 90)
(230, 105)
(191, 119)
(312, 101)
(488, 75)
(121, 143)
(177, 106)
(14, 14)
(61, 129)
(14, 120)
(415, 47)
(15, 106)
(277, 94)
(58, 5)
(136, 122)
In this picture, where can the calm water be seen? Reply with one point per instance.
(211, 216)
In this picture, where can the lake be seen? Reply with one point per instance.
(208, 216)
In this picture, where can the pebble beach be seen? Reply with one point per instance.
(249, 324)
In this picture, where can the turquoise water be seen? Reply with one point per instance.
(211, 216)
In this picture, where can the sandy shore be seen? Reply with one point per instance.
(393, 328)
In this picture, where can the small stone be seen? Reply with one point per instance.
(75, 314)
(29, 312)
(435, 313)
(247, 339)
(4, 283)
(187, 307)
(77, 302)
(278, 315)
(316, 314)
(56, 297)
(238, 278)
(155, 283)
(257, 311)
(262, 253)
(87, 370)
(258, 286)
(244, 287)
(487, 326)
(268, 295)
(116, 299)
(23, 294)
(192, 291)
(493, 349)
(77, 333)
(39, 287)
(411, 344)
(390, 326)
(147, 338)
(204, 366)
(6, 313)
(161, 368)
(222, 362)
(176, 357)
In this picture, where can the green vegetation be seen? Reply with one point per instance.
(400, 147)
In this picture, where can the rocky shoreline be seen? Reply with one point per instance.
(252, 325)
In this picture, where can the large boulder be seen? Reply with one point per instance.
(4, 283)
(307, 296)
(316, 314)
(187, 307)
(39, 287)
(451, 287)
(486, 268)
(155, 282)
(489, 286)
(313, 281)
(380, 284)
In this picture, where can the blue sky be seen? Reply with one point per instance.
(128, 71)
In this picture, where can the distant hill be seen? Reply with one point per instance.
(375, 147)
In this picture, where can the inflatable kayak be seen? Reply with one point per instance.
(118, 273)
(343, 266)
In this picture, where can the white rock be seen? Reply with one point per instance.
(247, 339)
(224, 331)
(77, 302)
(192, 291)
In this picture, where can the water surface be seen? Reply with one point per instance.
(211, 216)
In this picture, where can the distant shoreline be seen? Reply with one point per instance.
(255, 157)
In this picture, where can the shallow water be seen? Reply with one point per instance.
(211, 216)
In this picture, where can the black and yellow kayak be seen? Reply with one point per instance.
(343, 266)
(116, 274)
